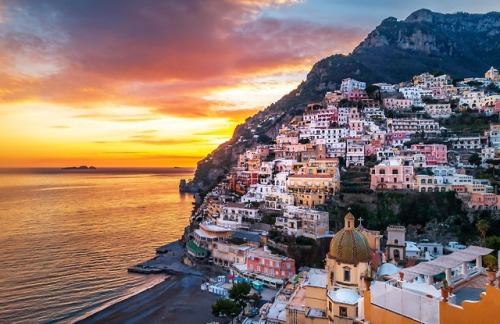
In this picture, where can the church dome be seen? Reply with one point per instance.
(349, 245)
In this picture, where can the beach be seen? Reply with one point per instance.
(178, 299)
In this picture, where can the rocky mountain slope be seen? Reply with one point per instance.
(460, 44)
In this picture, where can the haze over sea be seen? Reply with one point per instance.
(67, 237)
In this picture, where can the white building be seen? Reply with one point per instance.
(355, 154)
(278, 200)
(350, 84)
(396, 242)
(330, 135)
(414, 93)
(336, 150)
(433, 248)
(495, 138)
(397, 104)
(467, 143)
(385, 87)
(438, 110)
(412, 250)
(301, 221)
(374, 112)
(257, 192)
(487, 153)
(412, 125)
(238, 215)
(492, 74)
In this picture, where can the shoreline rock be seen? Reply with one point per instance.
(167, 261)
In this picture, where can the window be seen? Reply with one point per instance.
(347, 274)
(342, 311)
(330, 306)
(396, 241)
(394, 171)
(332, 277)
(382, 171)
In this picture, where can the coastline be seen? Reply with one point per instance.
(156, 280)
(178, 297)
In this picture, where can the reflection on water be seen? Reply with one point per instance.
(67, 238)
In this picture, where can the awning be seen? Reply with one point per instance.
(434, 267)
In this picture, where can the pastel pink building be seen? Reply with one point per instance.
(497, 106)
(397, 104)
(369, 150)
(260, 261)
(356, 95)
(435, 154)
(392, 174)
(396, 138)
(480, 201)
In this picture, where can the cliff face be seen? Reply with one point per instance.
(461, 44)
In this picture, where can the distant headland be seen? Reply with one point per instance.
(82, 167)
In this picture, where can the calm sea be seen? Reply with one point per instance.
(68, 237)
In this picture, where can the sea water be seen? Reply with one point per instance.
(67, 237)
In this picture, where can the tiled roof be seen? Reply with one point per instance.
(350, 246)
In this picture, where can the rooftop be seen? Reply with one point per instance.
(316, 278)
(344, 296)
(214, 228)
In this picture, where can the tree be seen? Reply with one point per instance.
(239, 292)
(483, 226)
(475, 159)
(493, 242)
(373, 91)
(226, 307)
(264, 139)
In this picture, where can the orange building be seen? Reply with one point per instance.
(427, 310)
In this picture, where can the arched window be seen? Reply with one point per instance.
(396, 241)
(396, 255)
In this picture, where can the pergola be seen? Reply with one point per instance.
(446, 262)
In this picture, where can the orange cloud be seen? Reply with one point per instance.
(117, 64)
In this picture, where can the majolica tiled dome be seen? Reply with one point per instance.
(349, 245)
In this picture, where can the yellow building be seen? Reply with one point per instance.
(312, 182)
(309, 199)
(331, 295)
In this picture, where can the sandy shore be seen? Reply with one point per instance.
(177, 300)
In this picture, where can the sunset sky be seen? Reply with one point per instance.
(162, 82)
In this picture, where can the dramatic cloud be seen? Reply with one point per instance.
(99, 76)
(93, 51)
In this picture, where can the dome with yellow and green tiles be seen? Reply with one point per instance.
(349, 245)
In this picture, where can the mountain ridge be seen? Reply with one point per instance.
(459, 44)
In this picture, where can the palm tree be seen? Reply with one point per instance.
(483, 226)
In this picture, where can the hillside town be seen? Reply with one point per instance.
(301, 189)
